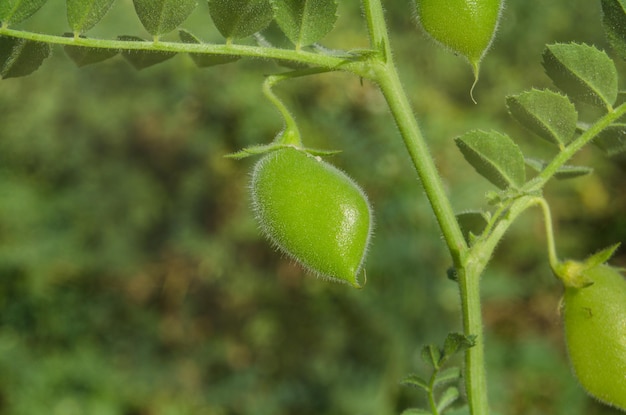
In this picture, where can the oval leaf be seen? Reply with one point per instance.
(305, 21)
(582, 72)
(431, 355)
(21, 57)
(141, 59)
(15, 11)
(204, 60)
(550, 115)
(563, 172)
(614, 21)
(612, 140)
(416, 382)
(163, 16)
(451, 374)
(494, 156)
(236, 19)
(82, 15)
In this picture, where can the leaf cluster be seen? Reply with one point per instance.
(302, 22)
(585, 78)
(436, 358)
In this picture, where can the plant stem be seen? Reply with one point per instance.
(468, 273)
(386, 76)
(327, 61)
(475, 373)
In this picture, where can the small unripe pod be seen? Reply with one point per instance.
(313, 212)
(594, 315)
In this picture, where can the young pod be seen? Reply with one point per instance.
(466, 27)
(594, 316)
(313, 212)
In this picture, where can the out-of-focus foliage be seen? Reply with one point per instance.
(133, 279)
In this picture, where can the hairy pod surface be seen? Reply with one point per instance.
(313, 212)
(595, 331)
(466, 27)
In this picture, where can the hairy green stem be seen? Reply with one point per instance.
(346, 62)
(386, 76)
(475, 373)
(468, 273)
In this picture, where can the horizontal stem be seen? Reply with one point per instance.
(347, 62)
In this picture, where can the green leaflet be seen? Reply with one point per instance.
(447, 398)
(563, 172)
(450, 374)
(162, 16)
(583, 72)
(614, 21)
(21, 57)
(236, 19)
(141, 59)
(472, 223)
(305, 22)
(494, 156)
(612, 140)
(415, 381)
(15, 11)
(550, 115)
(82, 15)
(203, 60)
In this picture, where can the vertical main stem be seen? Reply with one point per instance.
(385, 74)
(469, 277)
(398, 103)
(475, 374)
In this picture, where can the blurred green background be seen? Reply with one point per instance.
(133, 279)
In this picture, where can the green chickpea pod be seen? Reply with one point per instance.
(466, 27)
(313, 212)
(594, 316)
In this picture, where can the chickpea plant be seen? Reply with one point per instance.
(317, 215)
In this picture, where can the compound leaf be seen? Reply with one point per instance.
(82, 15)
(612, 140)
(494, 156)
(236, 19)
(614, 21)
(15, 11)
(305, 22)
(141, 59)
(550, 115)
(563, 172)
(162, 16)
(21, 57)
(582, 72)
